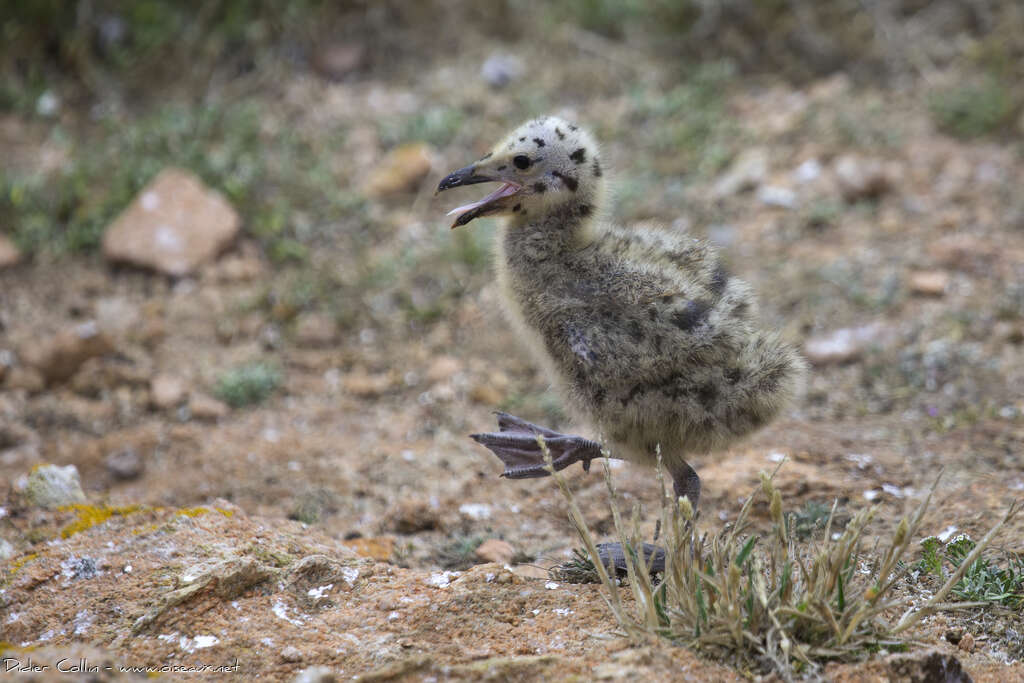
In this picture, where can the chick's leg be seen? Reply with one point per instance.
(517, 446)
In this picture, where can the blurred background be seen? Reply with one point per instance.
(223, 273)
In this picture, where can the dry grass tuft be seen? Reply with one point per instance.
(768, 603)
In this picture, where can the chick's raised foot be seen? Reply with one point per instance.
(642, 330)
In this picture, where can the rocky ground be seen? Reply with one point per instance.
(273, 458)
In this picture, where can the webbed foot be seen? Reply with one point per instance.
(517, 446)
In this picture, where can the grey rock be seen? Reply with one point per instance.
(124, 464)
(747, 172)
(499, 70)
(775, 195)
(51, 486)
(6, 550)
(841, 346)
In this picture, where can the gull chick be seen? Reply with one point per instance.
(641, 330)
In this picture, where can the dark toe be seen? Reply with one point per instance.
(613, 555)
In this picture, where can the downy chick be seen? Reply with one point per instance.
(642, 330)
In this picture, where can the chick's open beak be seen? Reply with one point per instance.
(471, 175)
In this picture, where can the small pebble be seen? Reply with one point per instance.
(125, 464)
(291, 654)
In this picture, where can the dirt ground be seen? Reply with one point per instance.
(321, 523)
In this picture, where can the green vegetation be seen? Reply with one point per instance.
(972, 109)
(459, 552)
(274, 178)
(984, 580)
(248, 384)
(690, 121)
(767, 602)
(436, 125)
(812, 517)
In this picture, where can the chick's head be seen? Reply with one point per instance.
(542, 165)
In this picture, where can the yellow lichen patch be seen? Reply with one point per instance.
(148, 529)
(21, 562)
(91, 515)
(196, 512)
(11, 647)
(193, 512)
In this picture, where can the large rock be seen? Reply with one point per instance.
(174, 225)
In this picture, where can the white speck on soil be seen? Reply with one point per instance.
(318, 592)
(206, 641)
(441, 580)
(350, 574)
(82, 622)
(476, 511)
(281, 612)
(150, 200)
(898, 491)
(551, 585)
(861, 459)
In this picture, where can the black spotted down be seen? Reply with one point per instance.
(579, 156)
(580, 348)
(559, 133)
(540, 188)
(567, 180)
(538, 142)
(597, 169)
(719, 279)
(692, 315)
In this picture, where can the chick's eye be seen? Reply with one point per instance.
(521, 161)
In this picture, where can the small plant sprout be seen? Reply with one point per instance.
(248, 384)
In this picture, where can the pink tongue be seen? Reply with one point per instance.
(505, 190)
